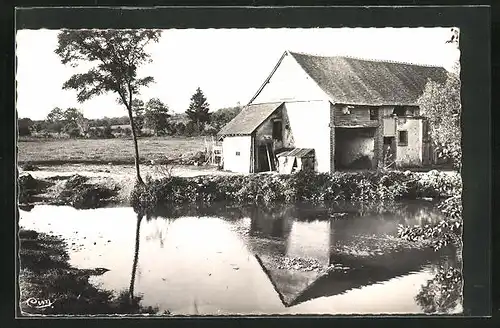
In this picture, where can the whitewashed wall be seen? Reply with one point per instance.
(233, 162)
(290, 83)
(411, 154)
(306, 238)
(309, 123)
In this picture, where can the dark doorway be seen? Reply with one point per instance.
(262, 159)
(354, 148)
(389, 155)
(277, 131)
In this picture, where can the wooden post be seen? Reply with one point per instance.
(269, 158)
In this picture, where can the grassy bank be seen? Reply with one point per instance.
(45, 274)
(104, 151)
(76, 190)
(361, 187)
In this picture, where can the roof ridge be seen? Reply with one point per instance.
(264, 103)
(392, 61)
(364, 59)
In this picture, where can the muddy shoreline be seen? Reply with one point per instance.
(49, 285)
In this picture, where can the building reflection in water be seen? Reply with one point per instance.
(348, 253)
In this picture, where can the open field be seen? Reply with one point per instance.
(104, 151)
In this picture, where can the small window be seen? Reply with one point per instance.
(388, 140)
(237, 153)
(399, 111)
(373, 114)
(403, 138)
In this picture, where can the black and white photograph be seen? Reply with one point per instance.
(239, 171)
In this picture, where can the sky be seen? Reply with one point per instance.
(229, 65)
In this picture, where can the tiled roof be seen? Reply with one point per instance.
(368, 82)
(297, 152)
(249, 119)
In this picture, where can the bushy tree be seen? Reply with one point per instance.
(24, 126)
(180, 128)
(440, 103)
(73, 131)
(73, 117)
(116, 55)
(223, 116)
(157, 116)
(55, 115)
(127, 132)
(198, 111)
(39, 126)
(55, 120)
(107, 131)
(193, 129)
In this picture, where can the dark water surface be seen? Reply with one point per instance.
(248, 260)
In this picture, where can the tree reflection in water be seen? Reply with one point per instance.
(136, 257)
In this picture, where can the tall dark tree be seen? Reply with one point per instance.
(24, 126)
(116, 55)
(157, 116)
(198, 111)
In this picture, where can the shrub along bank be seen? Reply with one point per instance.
(363, 187)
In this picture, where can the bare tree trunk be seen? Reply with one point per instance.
(136, 147)
(136, 258)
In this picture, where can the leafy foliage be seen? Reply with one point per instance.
(223, 116)
(157, 116)
(73, 122)
(138, 110)
(153, 115)
(55, 120)
(118, 54)
(441, 104)
(442, 293)
(446, 232)
(55, 115)
(382, 187)
(114, 56)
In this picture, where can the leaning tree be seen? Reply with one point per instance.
(115, 56)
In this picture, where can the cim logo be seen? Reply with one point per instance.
(38, 304)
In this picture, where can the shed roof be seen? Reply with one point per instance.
(368, 82)
(297, 152)
(249, 119)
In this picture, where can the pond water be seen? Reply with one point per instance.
(249, 260)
